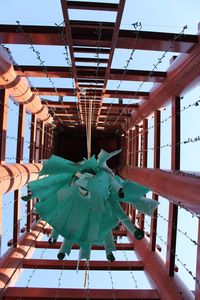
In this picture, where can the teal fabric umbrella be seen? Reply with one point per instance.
(81, 201)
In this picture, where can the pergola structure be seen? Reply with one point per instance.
(114, 124)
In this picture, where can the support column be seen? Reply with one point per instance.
(129, 148)
(19, 160)
(33, 139)
(3, 123)
(144, 160)
(172, 288)
(156, 166)
(12, 263)
(32, 159)
(46, 142)
(37, 142)
(3, 132)
(41, 143)
(132, 147)
(136, 146)
(173, 208)
(197, 286)
(135, 159)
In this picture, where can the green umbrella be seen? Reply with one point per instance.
(81, 201)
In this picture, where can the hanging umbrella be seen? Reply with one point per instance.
(82, 202)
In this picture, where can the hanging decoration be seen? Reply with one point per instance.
(82, 203)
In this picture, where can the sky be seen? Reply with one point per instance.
(154, 15)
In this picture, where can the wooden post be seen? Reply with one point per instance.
(156, 166)
(41, 145)
(3, 131)
(175, 165)
(32, 159)
(19, 159)
(197, 286)
(144, 160)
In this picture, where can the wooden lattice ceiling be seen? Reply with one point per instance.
(90, 82)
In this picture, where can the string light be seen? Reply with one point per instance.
(184, 233)
(131, 272)
(88, 282)
(60, 279)
(66, 55)
(188, 140)
(138, 27)
(176, 256)
(35, 269)
(99, 36)
(159, 61)
(21, 260)
(18, 222)
(112, 283)
(19, 114)
(29, 41)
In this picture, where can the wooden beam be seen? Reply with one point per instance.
(15, 176)
(50, 35)
(91, 93)
(115, 232)
(72, 265)
(89, 71)
(176, 186)
(92, 6)
(72, 105)
(62, 294)
(121, 246)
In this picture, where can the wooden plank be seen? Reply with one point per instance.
(62, 294)
(50, 35)
(87, 71)
(72, 265)
(115, 232)
(91, 92)
(92, 6)
(121, 246)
